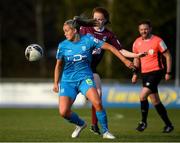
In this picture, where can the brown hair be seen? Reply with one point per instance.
(146, 21)
(103, 11)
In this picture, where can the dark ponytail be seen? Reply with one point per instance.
(78, 21)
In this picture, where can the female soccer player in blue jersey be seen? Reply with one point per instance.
(74, 73)
(102, 33)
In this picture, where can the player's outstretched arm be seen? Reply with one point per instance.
(109, 47)
(129, 54)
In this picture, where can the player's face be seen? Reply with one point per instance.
(145, 31)
(100, 18)
(69, 32)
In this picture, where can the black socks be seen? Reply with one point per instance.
(163, 114)
(144, 110)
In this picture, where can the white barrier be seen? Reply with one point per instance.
(31, 95)
(41, 95)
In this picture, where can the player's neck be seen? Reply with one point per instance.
(147, 37)
(99, 29)
(76, 38)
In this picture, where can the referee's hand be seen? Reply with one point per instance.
(134, 78)
(167, 76)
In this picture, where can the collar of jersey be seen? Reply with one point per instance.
(100, 30)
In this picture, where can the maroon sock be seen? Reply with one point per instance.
(94, 118)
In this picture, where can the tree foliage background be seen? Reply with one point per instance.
(24, 22)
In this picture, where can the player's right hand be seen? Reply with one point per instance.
(56, 88)
(134, 78)
(129, 64)
(167, 77)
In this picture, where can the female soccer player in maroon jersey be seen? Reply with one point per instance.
(102, 33)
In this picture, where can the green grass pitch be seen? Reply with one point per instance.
(45, 125)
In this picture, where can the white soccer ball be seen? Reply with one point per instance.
(34, 52)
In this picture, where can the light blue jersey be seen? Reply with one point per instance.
(77, 57)
(77, 75)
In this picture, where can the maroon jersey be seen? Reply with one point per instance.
(104, 35)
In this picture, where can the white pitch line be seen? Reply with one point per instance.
(119, 116)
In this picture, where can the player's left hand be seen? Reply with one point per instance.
(128, 63)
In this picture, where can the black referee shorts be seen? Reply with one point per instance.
(152, 79)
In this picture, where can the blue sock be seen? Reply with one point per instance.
(74, 118)
(102, 118)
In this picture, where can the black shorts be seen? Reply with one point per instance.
(152, 79)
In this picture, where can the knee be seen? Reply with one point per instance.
(155, 102)
(63, 113)
(142, 98)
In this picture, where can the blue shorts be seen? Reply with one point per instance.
(71, 89)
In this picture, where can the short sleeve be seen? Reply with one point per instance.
(162, 46)
(134, 49)
(115, 42)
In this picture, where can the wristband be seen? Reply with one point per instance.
(168, 73)
(135, 70)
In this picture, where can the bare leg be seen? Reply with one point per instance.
(93, 96)
(94, 126)
(65, 104)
